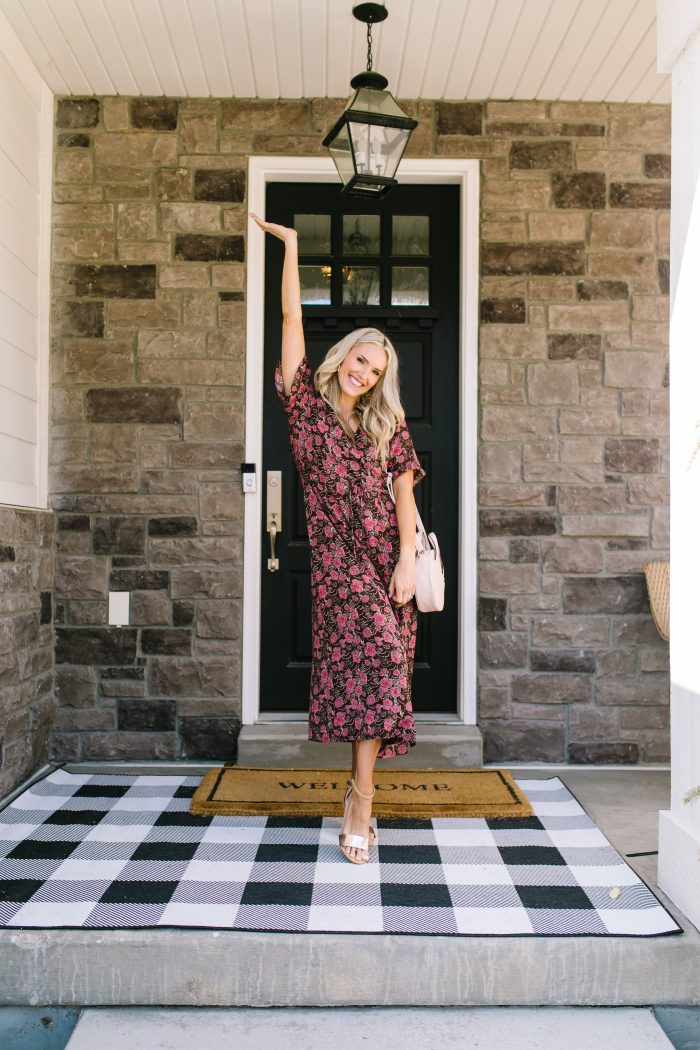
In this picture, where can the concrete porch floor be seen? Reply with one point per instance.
(217, 968)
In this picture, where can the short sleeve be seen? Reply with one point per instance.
(302, 389)
(402, 455)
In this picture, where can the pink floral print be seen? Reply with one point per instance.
(363, 644)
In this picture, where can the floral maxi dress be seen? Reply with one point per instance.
(363, 643)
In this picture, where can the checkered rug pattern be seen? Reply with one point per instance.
(123, 852)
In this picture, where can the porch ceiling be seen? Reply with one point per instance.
(597, 50)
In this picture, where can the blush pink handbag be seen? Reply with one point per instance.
(430, 571)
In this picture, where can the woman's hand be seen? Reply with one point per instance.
(403, 579)
(285, 233)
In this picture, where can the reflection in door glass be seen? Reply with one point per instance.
(361, 234)
(315, 284)
(410, 235)
(313, 233)
(360, 286)
(410, 286)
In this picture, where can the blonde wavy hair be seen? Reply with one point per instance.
(380, 409)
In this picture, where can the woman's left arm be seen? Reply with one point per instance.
(403, 581)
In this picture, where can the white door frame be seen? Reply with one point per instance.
(465, 173)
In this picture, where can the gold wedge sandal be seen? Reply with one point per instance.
(354, 841)
(373, 834)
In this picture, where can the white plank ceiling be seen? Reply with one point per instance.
(596, 50)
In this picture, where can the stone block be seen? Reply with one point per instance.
(95, 645)
(632, 455)
(512, 495)
(587, 290)
(542, 259)
(517, 522)
(583, 189)
(76, 687)
(523, 550)
(541, 155)
(648, 490)
(459, 118)
(200, 247)
(609, 230)
(592, 499)
(571, 556)
(504, 341)
(565, 661)
(126, 150)
(88, 243)
(73, 140)
(603, 753)
(506, 578)
(610, 161)
(551, 688)
(492, 614)
(146, 314)
(101, 747)
(552, 384)
(149, 607)
(499, 649)
(159, 113)
(190, 217)
(202, 677)
(523, 742)
(134, 405)
(633, 368)
(209, 738)
(136, 222)
(639, 690)
(117, 535)
(220, 185)
(79, 320)
(503, 423)
(218, 619)
(200, 551)
(622, 264)
(554, 226)
(110, 282)
(219, 419)
(640, 195)
(589, 317)
(571, 346)
(77, 113)
(570, 631)
(516, 194)
(179, 526)
(499, 462)
(611, 594)
(206, 583)
(90, 360)
(138, 580)
(166, 641)
(649, 128)
(503, 311)
(657, 165)
(266, 115)
(210, 456)
(605, 525)
(140, 715)
(80, 578)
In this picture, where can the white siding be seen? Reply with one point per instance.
(26, 107)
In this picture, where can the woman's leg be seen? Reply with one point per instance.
(359, 809)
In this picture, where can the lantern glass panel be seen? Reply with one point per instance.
(378, 150)
(371, 100)
(341, 151)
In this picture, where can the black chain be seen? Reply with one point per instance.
(369, 47)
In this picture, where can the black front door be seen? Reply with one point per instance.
(392, 264)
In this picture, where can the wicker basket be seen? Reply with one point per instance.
(658, 585)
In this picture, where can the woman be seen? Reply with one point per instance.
(347, 430)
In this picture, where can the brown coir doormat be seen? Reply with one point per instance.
(423, 793)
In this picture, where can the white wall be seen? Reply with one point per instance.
(26, 114)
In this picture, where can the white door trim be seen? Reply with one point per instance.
(465, 173)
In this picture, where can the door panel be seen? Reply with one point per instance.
(357, 259)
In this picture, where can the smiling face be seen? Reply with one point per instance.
(361, 368)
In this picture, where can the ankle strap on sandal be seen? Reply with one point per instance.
(360, 793)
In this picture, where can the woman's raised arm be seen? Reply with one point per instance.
(293, 347)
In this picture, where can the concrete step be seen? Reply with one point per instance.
(448, 745)
(392, 1029)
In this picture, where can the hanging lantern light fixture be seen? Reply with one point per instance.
(369, 139)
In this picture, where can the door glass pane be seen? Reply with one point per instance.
(360, 286)
(410, 235)
(360, 234)
(410, 286)
(314, 234)
(315, 284)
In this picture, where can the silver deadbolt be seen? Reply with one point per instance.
(273, 514)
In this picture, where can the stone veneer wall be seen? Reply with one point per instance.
(148, 372)
(26, 643)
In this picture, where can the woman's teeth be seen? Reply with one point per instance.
(353, 380)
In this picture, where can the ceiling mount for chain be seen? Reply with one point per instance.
(371, 14)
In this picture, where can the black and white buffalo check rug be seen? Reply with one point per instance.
(123, 852)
